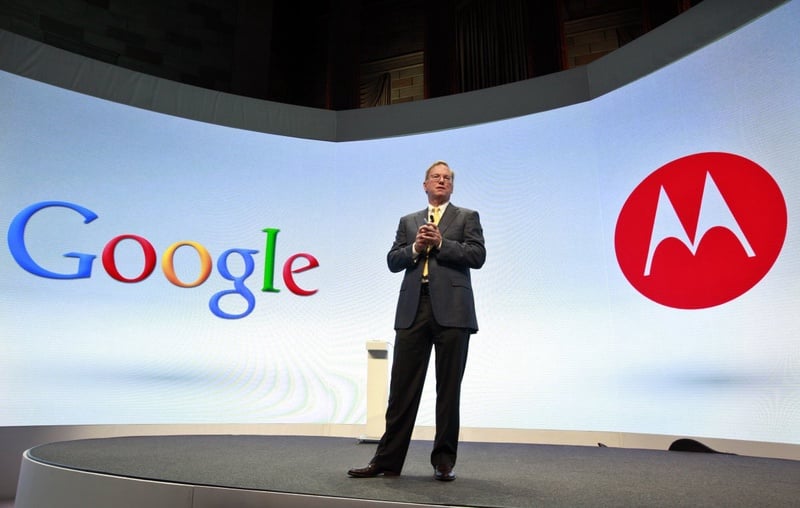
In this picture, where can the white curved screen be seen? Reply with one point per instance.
(567, 340)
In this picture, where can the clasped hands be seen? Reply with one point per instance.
(428, 237)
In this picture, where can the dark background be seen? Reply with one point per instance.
(340, 54)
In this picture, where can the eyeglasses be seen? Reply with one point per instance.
(446, 178)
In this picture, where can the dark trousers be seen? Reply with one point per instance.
(412, 352)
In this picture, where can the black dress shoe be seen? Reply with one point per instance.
(444, 473)
(370, 471)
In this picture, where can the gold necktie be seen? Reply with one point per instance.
(437, 213)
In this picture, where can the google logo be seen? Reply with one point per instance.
(83, 270)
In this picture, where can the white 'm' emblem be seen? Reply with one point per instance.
(713, 212)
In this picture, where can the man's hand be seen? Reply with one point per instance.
(428, 235)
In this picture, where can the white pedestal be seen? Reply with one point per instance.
(377, 389)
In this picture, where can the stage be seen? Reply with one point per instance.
(201, 471)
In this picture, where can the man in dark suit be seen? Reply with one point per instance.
(436, 247)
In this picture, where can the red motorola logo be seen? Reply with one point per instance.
(701, 230)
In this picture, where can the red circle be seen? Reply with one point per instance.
(701, 230)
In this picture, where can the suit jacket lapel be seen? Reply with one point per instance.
(422, 218)
(449, 214)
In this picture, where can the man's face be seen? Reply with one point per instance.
(439, 184)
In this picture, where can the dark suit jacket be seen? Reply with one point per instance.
(448, 268)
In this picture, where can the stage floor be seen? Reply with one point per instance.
(201, 471)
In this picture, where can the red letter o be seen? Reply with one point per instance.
(110, 264)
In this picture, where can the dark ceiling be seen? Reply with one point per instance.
(317, 55)
(341, 54)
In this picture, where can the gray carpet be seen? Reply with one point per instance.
(489, 474)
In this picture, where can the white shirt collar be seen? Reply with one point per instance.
(441, 207)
